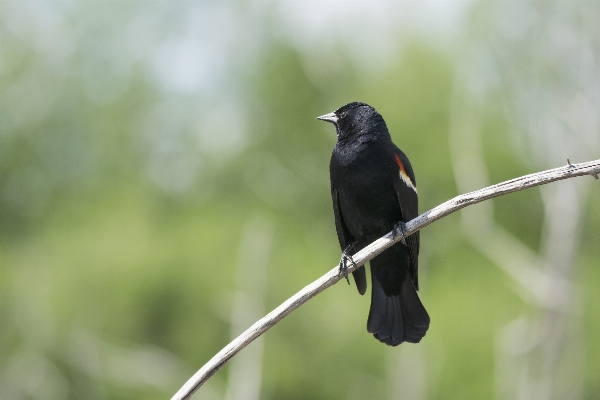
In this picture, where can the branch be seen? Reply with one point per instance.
(330, 278)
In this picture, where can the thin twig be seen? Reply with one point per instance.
(330, 278)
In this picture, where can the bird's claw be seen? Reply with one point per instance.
(399, 230)
(346, 257)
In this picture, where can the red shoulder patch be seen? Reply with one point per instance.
(403, 175)
(399, 162)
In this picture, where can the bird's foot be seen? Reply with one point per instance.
(399, 231)
(346, 257)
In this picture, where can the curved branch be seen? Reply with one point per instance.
(591, 168)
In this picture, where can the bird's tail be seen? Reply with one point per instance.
(397, 318)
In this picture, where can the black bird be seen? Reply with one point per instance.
(374, 192)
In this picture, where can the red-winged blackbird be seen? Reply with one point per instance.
(374, 191)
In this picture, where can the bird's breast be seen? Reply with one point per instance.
(368, 201)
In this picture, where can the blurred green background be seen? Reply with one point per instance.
(164, 184)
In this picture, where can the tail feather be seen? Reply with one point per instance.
(378, 314)
(397, 318)
(414, 314)
(393, 332)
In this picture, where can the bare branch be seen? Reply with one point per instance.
(591, 168)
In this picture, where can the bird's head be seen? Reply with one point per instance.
(356, 120)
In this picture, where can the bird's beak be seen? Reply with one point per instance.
(331, 117)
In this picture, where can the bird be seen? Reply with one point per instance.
(373, 189)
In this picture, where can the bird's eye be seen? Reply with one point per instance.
(343, 115)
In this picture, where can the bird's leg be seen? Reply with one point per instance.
(399, 230)
(344, 263)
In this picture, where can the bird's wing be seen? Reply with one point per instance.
(346, 239)
(344, 236)
(406, 190)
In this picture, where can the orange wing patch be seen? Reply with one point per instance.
(403, 175)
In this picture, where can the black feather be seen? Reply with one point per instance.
(373, 187)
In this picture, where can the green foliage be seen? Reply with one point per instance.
(100, 264)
